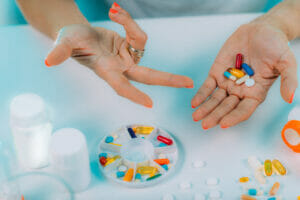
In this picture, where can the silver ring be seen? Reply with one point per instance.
(136, 52)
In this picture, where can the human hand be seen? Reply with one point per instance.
(106, 53)
(265, 49)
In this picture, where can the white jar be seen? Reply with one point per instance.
(31, 130)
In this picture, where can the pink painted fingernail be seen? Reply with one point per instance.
(292, 98)
(195, 120)
(117, 5)
(204, 127)
(47, 64)
(114, 11)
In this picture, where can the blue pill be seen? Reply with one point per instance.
(120, 174)
(165, 167)
(272, 198)
(162, 145)
(138, 176)
(103, 155)
(252, 192)
(227, 74)
(131, 133)
(109, 139)
(248, 69)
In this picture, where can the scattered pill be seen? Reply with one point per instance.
(168, 197)
(115, 144)
(143, 130)
(128, 176)
(199, 196)
(247, 197)
(138, 176)
(146, 170)
(268, 168)
(185, 185)
(239, 61)
(298, 198)
(120, 174)
(102, 160)
(248, 69)
(165, 167)
(252, 192)
(272, 198)
(236, 72)
(278, 167)
(229, 76)
(109, 139)
(111, 160)
(122, 168)
(274, 189)
(215, 194)
(242, 80)
(162, 144)
(131, 133)
(249, 82)
(244, 179)
(163, 161)
(153, 172)
(198, 164)
(212, 181)
(259, 177)
(103, 155)
(254, 163)
(153, 177)
(165, 140)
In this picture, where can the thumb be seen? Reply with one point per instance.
(61, 52)
(288, 70)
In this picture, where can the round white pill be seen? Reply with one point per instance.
(198, 164)
(212, 181)
(215, 194)
(199, 196)
(185, 185)
(122, 168)
(249, 82)
(168, 197)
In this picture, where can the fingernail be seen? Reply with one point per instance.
(195, 120)
(114, 11)
(223, 127)
(190, 86)
(193, 106)
(292, 98)
(117, 5)
(149, 106)
(46, 63)
(204, 127)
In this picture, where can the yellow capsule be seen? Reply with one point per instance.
(146, 170)
(143, 130)
(298, 198)
(236, 72)
(153, 172)
(115, 144)
(279, 167)
(128, 176)
(268, 168)
(111, 160)
(244, 179)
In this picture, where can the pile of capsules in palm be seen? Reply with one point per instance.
(261, 172)
(137, 155)
(238, 75)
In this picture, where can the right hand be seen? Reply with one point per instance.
(106, 53)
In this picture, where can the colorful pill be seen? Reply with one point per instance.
(144, 130)
(229, 76)
(138, 176)
(244, 179)
(248, 69)
(122, 168)
(153, 177)
(145, 170)
(236, 72)
(153, 172)
(102, 160)
(272, 198)
(163, 161)
(103, 155)
(120, 174)
(279, 168)
(254, 163)
(239, 61)
(115, 144)
(22, 197)
(259, 177)
(165, 140)
(274, 189)
(247, 197)
(242, 80)
(131, 133)
(129, 175)
(165, 167)
(109, 139)
(111, 160)
(252, 192)
(268, 168)
(162, 144)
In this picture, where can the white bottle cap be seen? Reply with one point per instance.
(294, 114)
(27, 110)
(70, 158)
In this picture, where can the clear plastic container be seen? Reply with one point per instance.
(151, 160)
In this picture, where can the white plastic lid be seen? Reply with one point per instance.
(27, 110)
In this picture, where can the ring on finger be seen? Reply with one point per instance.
(136, 52)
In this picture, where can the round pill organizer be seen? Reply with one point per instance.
(137, 155)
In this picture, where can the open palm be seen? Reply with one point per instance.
(265, 49)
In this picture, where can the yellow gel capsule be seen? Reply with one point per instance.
(268, 168)
(145, 170)
(143, 130)
(236, 72)
(111, 160)
(244, 179)
(128, 176)
(298, 198)
(115, 144)
(279, 167)
(153, 172)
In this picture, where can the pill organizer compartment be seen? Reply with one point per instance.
(136, 153)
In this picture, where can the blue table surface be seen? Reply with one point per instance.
(78, 98)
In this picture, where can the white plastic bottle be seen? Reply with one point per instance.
(31, 129)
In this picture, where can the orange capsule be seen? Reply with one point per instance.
(236, 72)
(163, 161)
(128, 176)
(274, 189)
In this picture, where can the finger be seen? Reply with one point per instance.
(210, 104)
(61, 52)
(227, 105)
(288, 70)
(125, 89)
(241, 113)
(134, 34)
(205, 90)
(154, 77)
